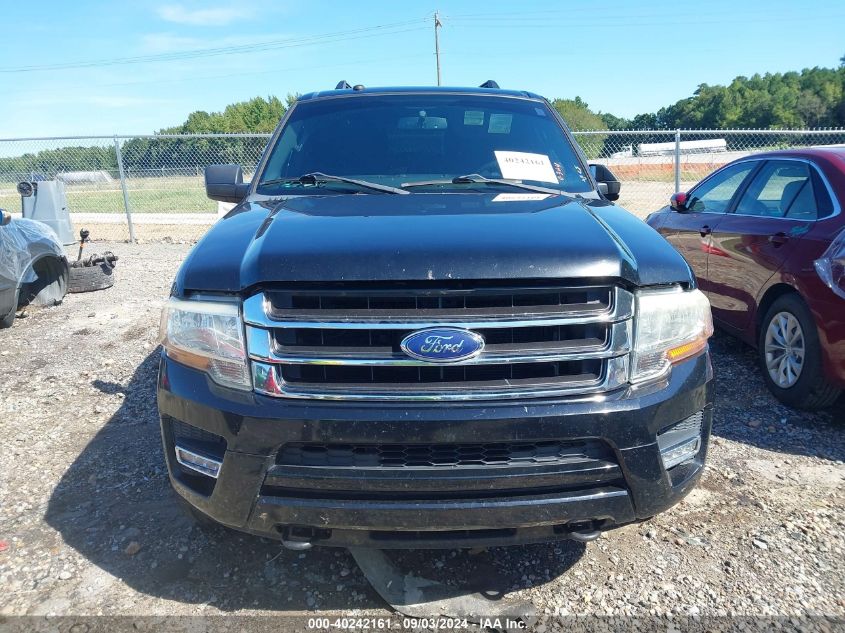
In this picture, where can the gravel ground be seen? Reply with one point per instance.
(89, 525)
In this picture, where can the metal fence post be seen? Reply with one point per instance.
(677, 161)
(123, 187)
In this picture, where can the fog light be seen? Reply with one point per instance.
(198, 463)
(680, 453)
(681, 442)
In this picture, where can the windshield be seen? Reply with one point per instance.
(397, 140)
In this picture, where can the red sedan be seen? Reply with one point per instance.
(765, 236)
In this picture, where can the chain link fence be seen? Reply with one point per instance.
(151, 187)
(129, 187)
(654, 164)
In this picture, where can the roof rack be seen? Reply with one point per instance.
(489, 84)
(342, 85)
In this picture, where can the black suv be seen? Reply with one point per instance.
(426, 325)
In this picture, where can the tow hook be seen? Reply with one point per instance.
(296, 546)
(300, 539)
(585, 537)
(582, 531)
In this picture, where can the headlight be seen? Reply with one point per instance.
(207, 335)
(671, 326)
(831, 266)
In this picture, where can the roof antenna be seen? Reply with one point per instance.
(342, 85)
(489, 84)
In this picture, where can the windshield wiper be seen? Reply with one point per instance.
(478, 179)
(317, 177)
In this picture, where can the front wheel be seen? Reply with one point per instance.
(8, 320)
(791, 356)
(196, 515)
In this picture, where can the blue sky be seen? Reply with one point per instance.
(619, 56)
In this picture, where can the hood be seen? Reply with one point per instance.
(425, 236)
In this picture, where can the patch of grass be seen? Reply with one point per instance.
(645, 175)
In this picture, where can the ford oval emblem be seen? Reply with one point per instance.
(443, 345)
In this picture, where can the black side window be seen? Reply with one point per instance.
(782, 188)
(823, 202)
(714, 195)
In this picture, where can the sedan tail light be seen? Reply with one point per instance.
(831, 265)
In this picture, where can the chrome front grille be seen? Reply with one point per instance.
(340, 342)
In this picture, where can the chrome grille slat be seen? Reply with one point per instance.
(371, 315)
(374, 303)
(261, 348)
(257, 311)
(615, 376)
(557, 349)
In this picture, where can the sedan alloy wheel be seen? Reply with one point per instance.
(784, 349)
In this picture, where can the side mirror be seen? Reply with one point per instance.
(678, 202)
(5, 217)
(26, 189)
(225, 183)
(609, 185)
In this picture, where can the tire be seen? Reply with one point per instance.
(200, 519)
(799, 378)
(89, 278)
(8, 320)
(49, 286)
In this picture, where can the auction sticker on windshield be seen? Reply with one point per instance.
(525, 166)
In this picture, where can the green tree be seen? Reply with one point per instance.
(614, 122)
(578, 116)
(50, 162)
(810, 98)
(257, 115)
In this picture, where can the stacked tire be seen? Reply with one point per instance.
(94, 273)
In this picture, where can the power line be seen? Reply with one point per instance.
(193, 78)
(326, 38)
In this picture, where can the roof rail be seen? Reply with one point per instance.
(342, 85)
(489, 84)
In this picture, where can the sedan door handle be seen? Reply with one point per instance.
(779, 239)
(705, 231)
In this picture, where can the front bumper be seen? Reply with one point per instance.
(472, 506)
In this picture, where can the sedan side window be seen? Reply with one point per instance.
(823, 201)
(781, 189)
(715, 194)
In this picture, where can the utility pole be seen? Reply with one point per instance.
(437, 25)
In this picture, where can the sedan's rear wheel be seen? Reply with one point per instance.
(791, 356)
(784, 349)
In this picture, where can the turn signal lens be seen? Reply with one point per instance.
(687, 350)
